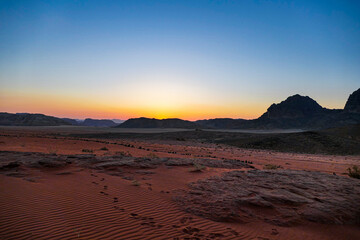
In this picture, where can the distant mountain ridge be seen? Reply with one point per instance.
(27, 119)
(31, 119)
(221, 123)
(158, 123)
(295, 112)
(98, 122)
(89, 122)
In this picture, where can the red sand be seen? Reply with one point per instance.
(71, 206)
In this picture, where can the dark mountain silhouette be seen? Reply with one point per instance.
(300, 112)
(221, 123)
(91, 122)
(157, 123)
(296, 112)
(98, 123)
(71, 121)
(353, 102)
(294, 107)
(28, 119)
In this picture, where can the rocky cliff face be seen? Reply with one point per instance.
(353, 102)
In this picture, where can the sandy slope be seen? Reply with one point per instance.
(71, 206)
(80, 203)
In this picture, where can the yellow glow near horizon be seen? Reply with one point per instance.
(166, 103)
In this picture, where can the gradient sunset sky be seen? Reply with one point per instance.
(186, 59)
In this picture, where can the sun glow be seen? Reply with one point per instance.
(152, 100)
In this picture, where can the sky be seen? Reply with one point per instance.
(185, 59)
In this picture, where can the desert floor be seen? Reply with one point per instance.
(139, 189)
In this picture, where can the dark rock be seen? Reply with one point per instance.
(353, 102)
(280, 197)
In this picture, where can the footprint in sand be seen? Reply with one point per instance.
(120, 209)
(134, 215)
(274, 231)
(185, 220)
(216, 235)
(190, 230)
(233, 232)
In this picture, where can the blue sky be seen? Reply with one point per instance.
(188, 59)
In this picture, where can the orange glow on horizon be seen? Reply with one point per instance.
(77, 107)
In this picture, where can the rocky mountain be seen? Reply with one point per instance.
(300, 112)
(294, 107)
(98, 122)
(28, 119)
(158, 123)
(353, 102)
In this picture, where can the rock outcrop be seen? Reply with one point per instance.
(279, 197)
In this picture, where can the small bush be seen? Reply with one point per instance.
(52, 151)
(104, 149)
(197, 168)
(271, 167)
(354, 172)
(135, 183)
(87, 150)
(152, 155)
(124, 154)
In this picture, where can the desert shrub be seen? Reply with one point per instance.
(87, 150)
(104, 149)
(135, 183)
(124, 154)
(354, 172)
(52, 151)
(152, 155)
(271, 167)
(197, 167)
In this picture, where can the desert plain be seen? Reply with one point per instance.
(100, 183)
